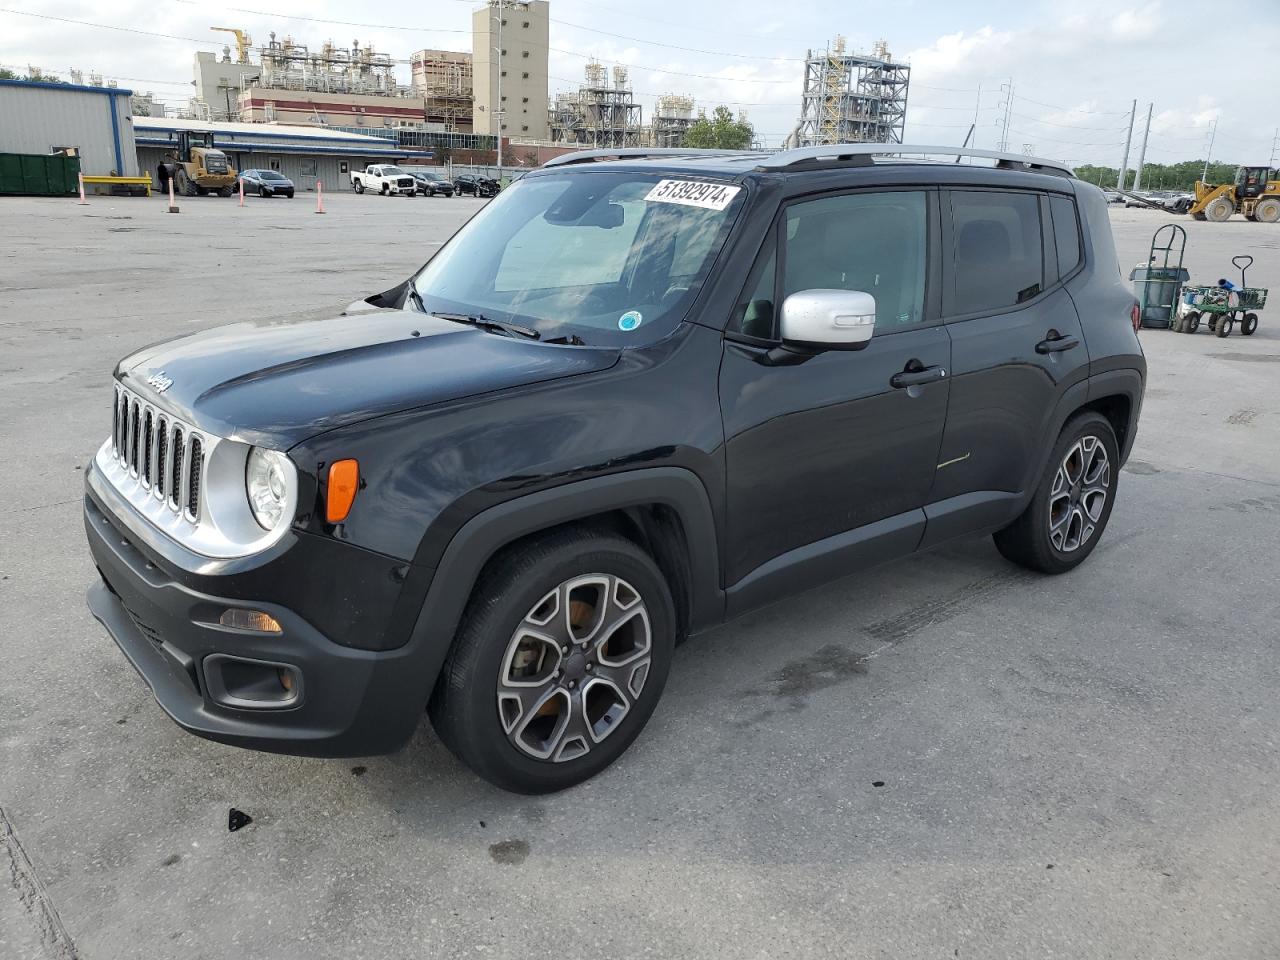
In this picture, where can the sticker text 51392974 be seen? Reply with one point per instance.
(693, 193)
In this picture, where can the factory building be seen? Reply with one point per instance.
(95, 123)
(218, 84)
(511, 89)
(303, 154)
(601, 113)
(443, 80)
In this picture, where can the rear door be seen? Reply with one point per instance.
(1017, 346)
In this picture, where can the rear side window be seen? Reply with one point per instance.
(1066, 234)
(998, 255)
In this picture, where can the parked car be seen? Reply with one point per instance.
(384, 178)
(632, 399)
(1113, 197)
(476, 185)
(431, 184)
(267, 183)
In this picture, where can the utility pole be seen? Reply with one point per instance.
(1275, 143)
(1213, 134)
(1128, 141)
(977, 106)
(1007, 103)
(500, 111)
(1142, 154)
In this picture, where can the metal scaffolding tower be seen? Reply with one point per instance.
(852, 98)
(600, 113)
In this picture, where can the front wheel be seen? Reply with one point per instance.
(1072, 503)
(558, 663)
(1223, 328)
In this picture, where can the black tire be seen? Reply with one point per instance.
(464, 704)
(383, 190)
(224, 191)
(358, 186)
(1179, 324)
(262, 192)
(1026, 541)
(289, 194)
(1249, 324)
(183, 184)
(1223, 327)
(1193, 322)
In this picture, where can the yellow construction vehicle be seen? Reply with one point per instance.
(1255, 193)
(243, 42)
(197, 167)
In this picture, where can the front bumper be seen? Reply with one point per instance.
(348, 702)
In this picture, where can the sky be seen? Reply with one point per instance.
(1074, 68)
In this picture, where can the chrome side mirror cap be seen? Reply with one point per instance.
(828, 319)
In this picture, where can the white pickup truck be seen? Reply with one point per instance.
(385, 178)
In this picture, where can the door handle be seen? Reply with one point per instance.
(916, 374)
(1056, 343)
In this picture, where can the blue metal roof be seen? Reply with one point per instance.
(78, 88)
(354, 150)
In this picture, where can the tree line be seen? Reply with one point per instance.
(1161, 176)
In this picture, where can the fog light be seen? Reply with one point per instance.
(250, 620)
(286, 678)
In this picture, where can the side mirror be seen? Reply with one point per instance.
(828, 319)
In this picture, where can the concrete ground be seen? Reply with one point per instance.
(947, 757)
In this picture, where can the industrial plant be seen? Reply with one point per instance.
(852, 98)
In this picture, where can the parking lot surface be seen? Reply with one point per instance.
(946, 757)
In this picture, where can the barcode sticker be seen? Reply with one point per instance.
(693, 193)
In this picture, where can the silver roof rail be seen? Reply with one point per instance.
(640, 153)
(838, 151)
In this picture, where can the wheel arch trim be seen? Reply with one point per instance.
(481, 537)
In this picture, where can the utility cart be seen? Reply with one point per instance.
(1158, 283)
(1222, 305)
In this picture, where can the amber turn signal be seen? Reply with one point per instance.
(250, 620)
(344, 481)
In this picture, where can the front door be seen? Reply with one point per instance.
(826, 456)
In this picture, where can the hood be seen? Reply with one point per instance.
(278, 384)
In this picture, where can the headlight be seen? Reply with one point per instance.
(266, 483)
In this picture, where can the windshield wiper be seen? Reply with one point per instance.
(485, 323)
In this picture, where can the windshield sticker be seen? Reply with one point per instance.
(693, 193)
(629, 320)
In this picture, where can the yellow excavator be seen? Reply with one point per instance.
(197, 167)
(1255, 193)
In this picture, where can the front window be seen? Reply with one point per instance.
(393, 172)
(610, 257)
(271, 175)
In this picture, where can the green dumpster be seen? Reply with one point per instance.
(37, 175)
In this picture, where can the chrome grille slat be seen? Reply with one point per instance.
(156, 451)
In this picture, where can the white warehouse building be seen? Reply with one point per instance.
(43, 118)
(303, 154)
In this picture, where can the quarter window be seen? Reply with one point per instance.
(872, 242)
(999, 260)
(1066, 234)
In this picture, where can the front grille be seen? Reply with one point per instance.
(405, 183)
(160, 454)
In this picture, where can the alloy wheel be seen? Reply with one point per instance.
(574, 667)
(1079, 494)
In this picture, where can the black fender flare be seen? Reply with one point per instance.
(481, 537)
(1126, 382)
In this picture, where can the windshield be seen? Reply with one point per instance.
(392, 172)
(270, 175)
(612, 258)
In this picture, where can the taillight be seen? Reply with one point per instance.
(1135, 316)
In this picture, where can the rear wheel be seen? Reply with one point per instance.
(1268, 211)
(1072, 503)
(558, 663)
(357, 186)
(1248, 324)
(1219, 210)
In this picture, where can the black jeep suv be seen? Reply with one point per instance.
(634, 396)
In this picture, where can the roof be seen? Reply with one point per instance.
(259, 131)
(806, 159)
(74, 87)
